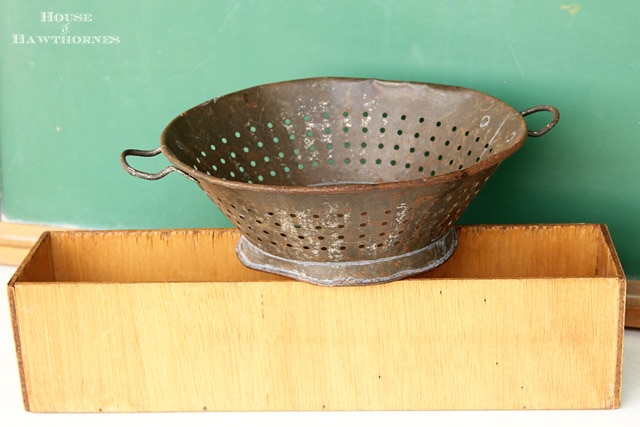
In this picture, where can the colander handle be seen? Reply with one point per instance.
(145, 175)
(549, 126)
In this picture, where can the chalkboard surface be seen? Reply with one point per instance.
(82, 81)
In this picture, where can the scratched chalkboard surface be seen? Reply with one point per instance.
(82, 81)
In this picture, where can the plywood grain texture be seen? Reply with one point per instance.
(171, 321)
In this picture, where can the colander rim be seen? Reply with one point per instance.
(484, 164)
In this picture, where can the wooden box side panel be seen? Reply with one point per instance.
(209, 255)
(553, 250)
(439, 344)
(151, 256)
(38, 264)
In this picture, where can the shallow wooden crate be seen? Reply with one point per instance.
(521, 317)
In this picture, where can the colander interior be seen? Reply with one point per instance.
(332, 131)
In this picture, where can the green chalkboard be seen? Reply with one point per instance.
(81, 81)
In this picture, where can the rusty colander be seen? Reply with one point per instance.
(343, 181)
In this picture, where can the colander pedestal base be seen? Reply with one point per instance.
(351, 273)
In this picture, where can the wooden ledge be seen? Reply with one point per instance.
(17, 239)
(632, 307)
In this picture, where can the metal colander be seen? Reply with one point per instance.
(343, 181)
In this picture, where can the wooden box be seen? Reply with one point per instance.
(521, 317)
